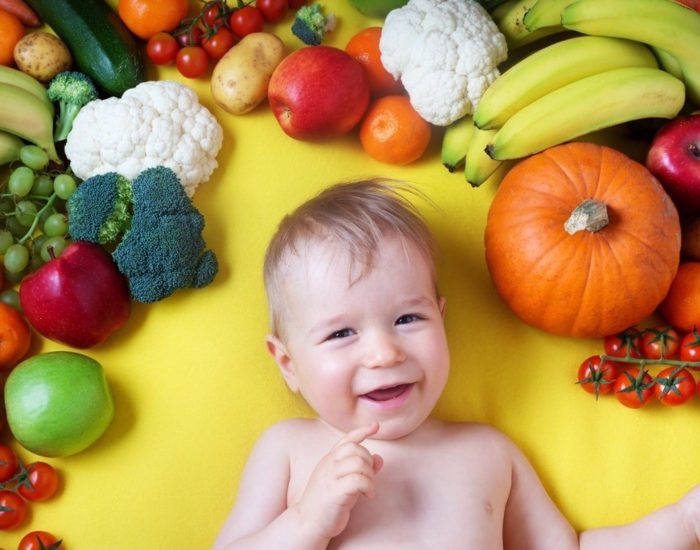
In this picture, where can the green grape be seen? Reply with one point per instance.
(16, 258)
(38, 243)
(6, 240)
(45, 216)
(7, 206)
(35, 262)
(56, 225)
(43, 185)
(64, 185)
(14, 227)
(34, 157)
(25, 213)
(11, 298)
(14, 278)
(21, 181)
(52, 248)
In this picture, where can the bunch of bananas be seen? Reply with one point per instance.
(578, 85)
(25, 112)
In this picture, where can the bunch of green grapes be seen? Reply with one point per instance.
(33, 218)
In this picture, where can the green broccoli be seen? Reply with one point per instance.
(156, 229)
(71, 90)
(311, 25)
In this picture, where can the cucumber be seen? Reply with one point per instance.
(102, 46)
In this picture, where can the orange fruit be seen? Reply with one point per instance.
(11, 31)
(15, 336)
(146, 18)
(364, 47)
(393, 132)
(681, 306)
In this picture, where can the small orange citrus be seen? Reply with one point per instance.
(393, 132)
(364, 47)
(681, 306)
(11, 31)
(145, 18)
(15, 336)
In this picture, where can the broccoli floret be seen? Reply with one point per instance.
(71, 90)
(311, 25)
(161, 247)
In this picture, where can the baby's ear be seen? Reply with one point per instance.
(284, 361)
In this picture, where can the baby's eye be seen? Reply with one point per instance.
(343, 333)
(408, 318)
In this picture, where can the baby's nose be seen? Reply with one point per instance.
(383, 350)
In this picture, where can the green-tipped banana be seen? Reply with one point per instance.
(553, 67)
(509, 20)
(595, 102)
(10, 145)
(545, 13)
(479, 166)
(659, 23)
(455, 143)
(23, 115)
(8, 75)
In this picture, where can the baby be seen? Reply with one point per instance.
(357, 329)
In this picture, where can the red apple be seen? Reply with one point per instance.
(674, 158)
(318, 92)
(79, 298)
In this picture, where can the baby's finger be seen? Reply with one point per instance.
(358, 435)
(357, 484)
(350, 449)
(353, 464)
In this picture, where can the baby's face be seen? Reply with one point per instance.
(371, 349)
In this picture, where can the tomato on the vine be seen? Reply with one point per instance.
(674, 386)
(39, 540)
(660, 342)
(192, 61)
(12, 510)
(597, 376)
(246, 20)
(214, 16)
(219, 43)
(162, 48)
(633, 388)
(193, 37)
(690, 347)
(272, 10)
(623, 344)
(9, 465)
(41, 482)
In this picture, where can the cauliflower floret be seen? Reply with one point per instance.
(446, 54)
(157, 123)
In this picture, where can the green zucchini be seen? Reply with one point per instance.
(101, 45)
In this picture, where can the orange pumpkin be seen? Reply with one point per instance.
(582, 241)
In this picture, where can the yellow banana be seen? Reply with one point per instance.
(478, 165)
(595, 102)
(509, 20)
(545, 13)
(455, 143)
(8, 75)
(9, 147)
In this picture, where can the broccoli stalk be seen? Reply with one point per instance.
(71, 90)
(311, 25)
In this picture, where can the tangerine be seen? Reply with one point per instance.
(15, 336)
(11, 31)
(145, 18)
(393, 132)
(681, 306)
(364, 47)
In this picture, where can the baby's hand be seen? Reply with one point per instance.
(336, 483)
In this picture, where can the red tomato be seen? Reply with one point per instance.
(39, 540)
(272, 10)
(623, 344)
(9, 465)
(192, 38)
(12, 510)
(246, 20)
(218, 44)
(597, 376)
(690, 347)
(633, 388)
(192, 61)
(41, 483)
(162, 48)
(296, 4)
(674, 386)
(660, 342)
(213, 16)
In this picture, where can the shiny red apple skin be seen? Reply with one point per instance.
(674, 158)
(318, 92)
(79, 298)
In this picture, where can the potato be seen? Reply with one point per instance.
(42, 55)
(239, 80)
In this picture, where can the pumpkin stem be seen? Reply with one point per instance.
(590, 215)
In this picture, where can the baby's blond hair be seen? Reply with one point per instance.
(355, 215)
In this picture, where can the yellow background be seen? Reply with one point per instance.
(194, 387)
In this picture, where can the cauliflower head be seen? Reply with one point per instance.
(157, 123)
(445, 52)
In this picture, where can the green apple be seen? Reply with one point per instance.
(58, 403)
(377, 8)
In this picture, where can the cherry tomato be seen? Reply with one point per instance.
(9, 465)
(246, 20)
(192, 38)
(162, 48)
(39, 540)
(633, 388)
(192, 61)
(623, 344)
(218, 44)
(12, 510)
(597, 376)
(690, 347)
(272, 10)
(674, 386)
(41, 483)
(213, 16)
(296, 4)
(660, 342)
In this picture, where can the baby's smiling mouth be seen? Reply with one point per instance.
(388, 393)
